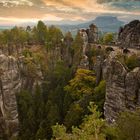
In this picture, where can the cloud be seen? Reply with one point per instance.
(94, 6)
(14, 3)
(65, 9)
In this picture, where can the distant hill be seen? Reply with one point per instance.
(51, 22)
(104, 23)
(64, 22)
(108, 23)
(5, 27)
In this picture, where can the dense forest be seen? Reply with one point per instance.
(67, 101)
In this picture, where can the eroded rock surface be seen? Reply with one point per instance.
(92, 33)
(15, 75)
(122, 88)
(129, 35)
(10, 84)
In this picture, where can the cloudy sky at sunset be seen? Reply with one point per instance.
(20, 11)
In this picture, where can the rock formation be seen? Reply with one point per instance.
(122, 88)
(89, 36)
(14, 76)
(129, 35)
(92, 33)
(10, 84)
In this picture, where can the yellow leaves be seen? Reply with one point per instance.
(82, 84)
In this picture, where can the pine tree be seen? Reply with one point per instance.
(91, 128)
(41, 31)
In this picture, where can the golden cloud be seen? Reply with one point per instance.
(58, 10)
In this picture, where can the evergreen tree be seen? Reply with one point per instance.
(108, 38)
(77, 49)
(91, 128)
(128, 126)
(41, 31)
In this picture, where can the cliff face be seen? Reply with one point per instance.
(10, 84)
(122, 88)
(129, 35)
(15, 75)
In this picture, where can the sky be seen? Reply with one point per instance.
(20, 11)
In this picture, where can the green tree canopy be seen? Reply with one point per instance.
(77, 49)
(41, 32)
(128, 126)
(108, 38)
(82, 84)
(91, 128)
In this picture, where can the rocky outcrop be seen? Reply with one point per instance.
(129, 35)
(92, 33)
(99, 69)
(10, 84)
(122, 88)
(16, 73)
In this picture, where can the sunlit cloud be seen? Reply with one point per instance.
(14, 3)
(32, 10)
(89, 7)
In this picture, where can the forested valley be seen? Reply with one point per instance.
(63, 94)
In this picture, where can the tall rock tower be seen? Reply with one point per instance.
(129, 35)
(92, 33)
